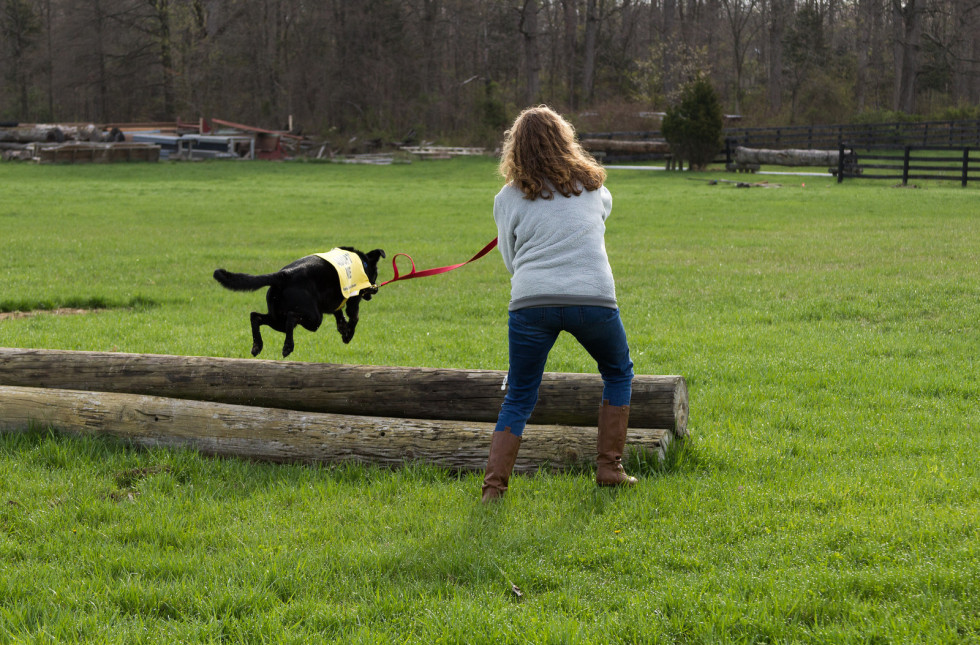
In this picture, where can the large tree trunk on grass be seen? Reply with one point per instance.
(786, 157)
(412, 392)
(270, 434)
(621, 146)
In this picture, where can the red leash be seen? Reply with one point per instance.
(427, 272)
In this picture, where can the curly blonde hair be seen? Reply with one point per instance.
(541, 153)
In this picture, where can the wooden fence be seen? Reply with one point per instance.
(938, 134)
(943, 134)
(909, 162)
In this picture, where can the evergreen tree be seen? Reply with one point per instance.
(693, 127)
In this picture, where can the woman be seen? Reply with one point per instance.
(550, 219)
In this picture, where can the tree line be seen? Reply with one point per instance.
(460, 69)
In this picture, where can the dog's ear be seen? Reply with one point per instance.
(376, 255)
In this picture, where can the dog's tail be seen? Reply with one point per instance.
(243, 281)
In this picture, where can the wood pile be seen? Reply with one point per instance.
(442, 152)
(70, 143)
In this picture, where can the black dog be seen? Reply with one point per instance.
(301, 292)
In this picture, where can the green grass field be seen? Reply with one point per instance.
(830, 491)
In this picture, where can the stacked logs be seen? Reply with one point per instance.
(320, 412)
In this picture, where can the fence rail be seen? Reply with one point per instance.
(928, 133)
(827, 137)
(909, 162)
(871, 137)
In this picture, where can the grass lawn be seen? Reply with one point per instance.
(830, 491)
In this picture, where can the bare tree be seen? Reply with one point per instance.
(806, 48)
(669, 38)
(569, 41)
(778, 13)
(589, 55)
(863, 26)
(20, 26)
(528, 26)
(740, 14)
(160, 25)
(966, 74)
(907, 24)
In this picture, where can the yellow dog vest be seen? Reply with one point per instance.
(350, 270)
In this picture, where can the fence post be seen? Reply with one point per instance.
(840, 164)
(905, 166)
(966, 166)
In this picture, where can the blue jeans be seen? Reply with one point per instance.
(532, 333)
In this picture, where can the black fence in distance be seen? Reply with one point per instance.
(888, 141)
(909, 162)
(942, 134)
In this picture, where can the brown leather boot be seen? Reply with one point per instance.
(503, 453)
(613, 420)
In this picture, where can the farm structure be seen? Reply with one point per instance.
(77, 143)
(321, 413)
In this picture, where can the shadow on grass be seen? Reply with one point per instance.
(680, 457)
(52, 448)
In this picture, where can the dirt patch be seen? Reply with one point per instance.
(64, 311)
(129, 478)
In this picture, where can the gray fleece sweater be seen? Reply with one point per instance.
(555, 248)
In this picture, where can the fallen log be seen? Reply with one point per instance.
(631, 147)
(756, 156)
(409, 392)
(270, 434)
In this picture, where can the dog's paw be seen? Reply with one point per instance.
(256, 349)
(287, 349)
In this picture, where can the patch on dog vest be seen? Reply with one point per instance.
(350, 270)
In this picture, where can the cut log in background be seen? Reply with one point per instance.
(261, 409)
(626, 147)
(786, 157)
